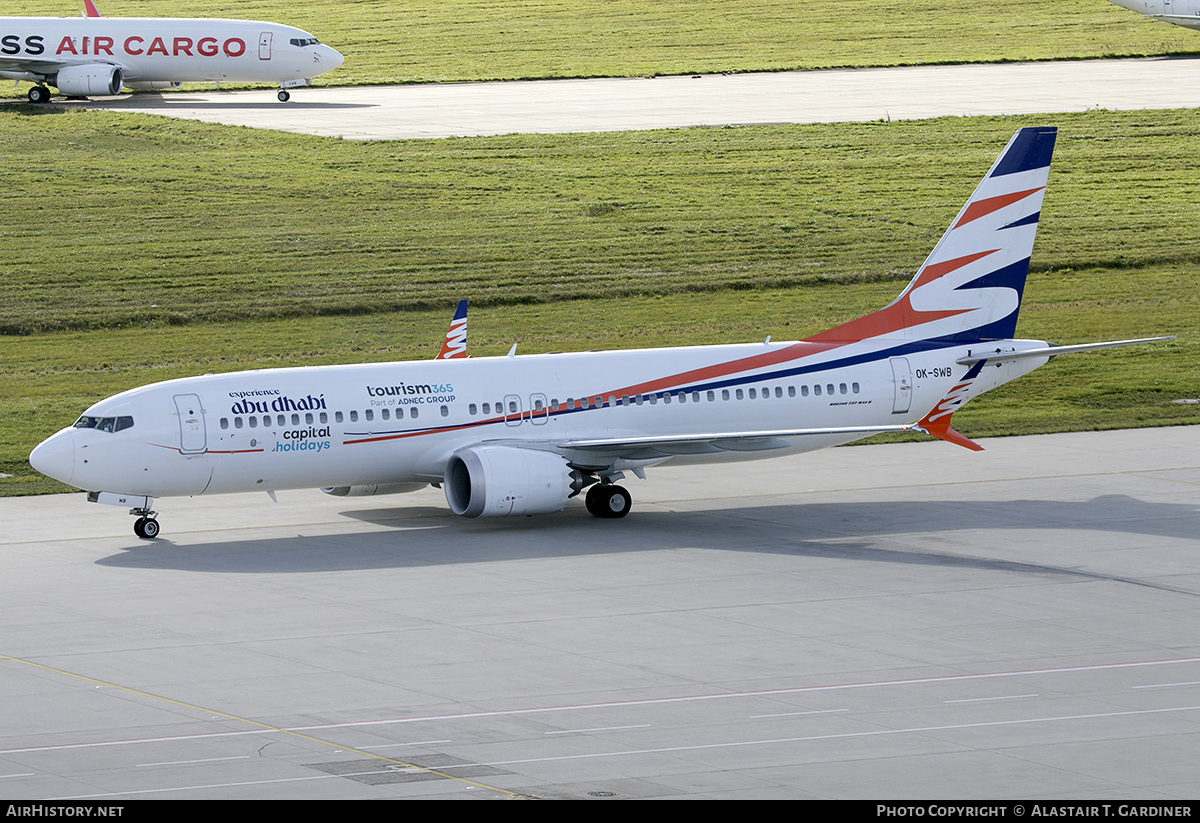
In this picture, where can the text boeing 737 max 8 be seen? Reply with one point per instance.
(100, 55)
(520, 435)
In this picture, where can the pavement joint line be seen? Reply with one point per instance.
(262, 726)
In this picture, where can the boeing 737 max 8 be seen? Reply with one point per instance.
(101, 55)
(521, 435)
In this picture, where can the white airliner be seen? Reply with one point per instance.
(1180, 12)
(101, 55)
(521, 435)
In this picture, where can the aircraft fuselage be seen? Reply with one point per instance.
(165, 49)
(400, 422)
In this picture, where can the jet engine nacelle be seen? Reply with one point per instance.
(368, 491)
(495, 481)
(90, 78)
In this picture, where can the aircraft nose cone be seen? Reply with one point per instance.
(55, 456)
(331, 58)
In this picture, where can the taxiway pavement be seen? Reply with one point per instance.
(555, 106)
(890, 621)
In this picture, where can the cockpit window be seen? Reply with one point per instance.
(305, 41)
(104, 424)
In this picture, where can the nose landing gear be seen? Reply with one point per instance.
(146, 526)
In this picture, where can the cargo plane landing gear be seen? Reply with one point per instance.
(146, 526)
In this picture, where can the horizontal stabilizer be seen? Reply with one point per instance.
(975, 356)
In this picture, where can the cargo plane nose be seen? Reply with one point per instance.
(55, 456)
(329, 58)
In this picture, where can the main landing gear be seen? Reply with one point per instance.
(608, 501)
(284, 96)
(39, 95)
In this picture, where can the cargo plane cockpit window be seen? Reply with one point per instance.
(104, 424)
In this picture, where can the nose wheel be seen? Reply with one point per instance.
(283, 96)
(146, 526)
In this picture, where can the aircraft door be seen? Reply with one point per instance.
(902, 379)
(193, 439)
(264, 46)
(512, 410)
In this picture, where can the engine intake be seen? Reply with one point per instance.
(497, 481)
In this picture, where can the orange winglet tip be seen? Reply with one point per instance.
(941, 429)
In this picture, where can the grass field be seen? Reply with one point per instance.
(390, 41)
(171, 222)
(139, 249)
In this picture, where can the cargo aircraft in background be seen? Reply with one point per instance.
(521, 435)
(1184, 13)
(102, 55)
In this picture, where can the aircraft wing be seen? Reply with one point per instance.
(10, 66)
(1186, 20)
(604, 451)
